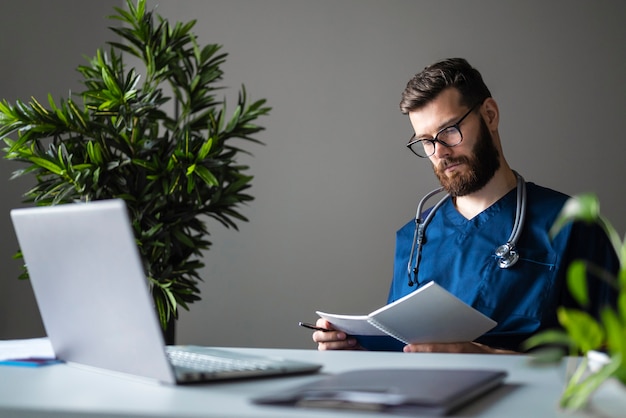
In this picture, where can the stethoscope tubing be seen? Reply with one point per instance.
(506, 253)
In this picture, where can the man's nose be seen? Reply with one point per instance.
(441, 151)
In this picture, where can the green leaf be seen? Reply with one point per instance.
(205, 149)
(94, 152)
(234, 120)
(206, 176)
(586, 208)
(171, 297)
(161, 307)
(583, 207)
(582, 328)
(615, 331)
(183, 238)
(577, 281)
(77, 114)
(547, 337)
(546, 356)
(48, 165)
(621, 304)
(146, 234)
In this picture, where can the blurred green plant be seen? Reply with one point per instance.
(582, 333)
(173, 170)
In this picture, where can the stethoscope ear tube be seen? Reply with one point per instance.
(506, 254)
(420, 228)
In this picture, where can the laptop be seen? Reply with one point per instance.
(94, 299)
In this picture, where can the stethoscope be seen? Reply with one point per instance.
(506, 254)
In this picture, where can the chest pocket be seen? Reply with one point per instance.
(522, 291)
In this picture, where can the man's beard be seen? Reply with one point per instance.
(483, 164)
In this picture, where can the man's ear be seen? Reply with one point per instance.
(491, 113)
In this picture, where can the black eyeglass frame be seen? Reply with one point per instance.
(435, 140)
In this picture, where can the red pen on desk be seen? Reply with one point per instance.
(313, 327)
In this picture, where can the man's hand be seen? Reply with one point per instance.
(462, 347)
(333, 340)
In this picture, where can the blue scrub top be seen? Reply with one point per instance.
(459, 255)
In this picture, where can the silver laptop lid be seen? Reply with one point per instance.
(90, 286)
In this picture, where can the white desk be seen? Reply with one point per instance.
(68, 391)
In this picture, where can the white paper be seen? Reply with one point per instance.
(26, 348)
(429, 314)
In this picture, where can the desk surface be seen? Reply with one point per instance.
(68, 391)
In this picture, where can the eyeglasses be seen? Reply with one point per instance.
(449, 136)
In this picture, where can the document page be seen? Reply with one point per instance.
(430, 314)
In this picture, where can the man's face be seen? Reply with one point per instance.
(482, 164)
(468, 166)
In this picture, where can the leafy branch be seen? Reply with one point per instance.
(581, 332)
(172, 168)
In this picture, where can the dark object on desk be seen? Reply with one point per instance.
(433, 392)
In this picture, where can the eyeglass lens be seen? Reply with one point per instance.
(449, 137)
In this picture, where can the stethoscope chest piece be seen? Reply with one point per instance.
(507, 256)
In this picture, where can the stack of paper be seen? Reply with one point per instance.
(30, 352)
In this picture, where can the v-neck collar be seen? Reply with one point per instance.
(455, 217)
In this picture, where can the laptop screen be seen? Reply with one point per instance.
(90, 286)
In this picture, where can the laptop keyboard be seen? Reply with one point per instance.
(204, 364)
(208, 363)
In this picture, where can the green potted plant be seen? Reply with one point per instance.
(586, 336)
(161, 141)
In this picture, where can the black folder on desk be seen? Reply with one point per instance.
(433, 392)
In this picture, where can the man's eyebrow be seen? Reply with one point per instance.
(440, 127)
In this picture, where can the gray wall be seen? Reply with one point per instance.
(40, 47)
(334, 180)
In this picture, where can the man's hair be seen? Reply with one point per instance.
(452, 72)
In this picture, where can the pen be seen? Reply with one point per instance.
(315, 327)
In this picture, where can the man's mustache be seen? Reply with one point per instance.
(446, 162)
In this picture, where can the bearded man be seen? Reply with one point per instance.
(455, 120)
